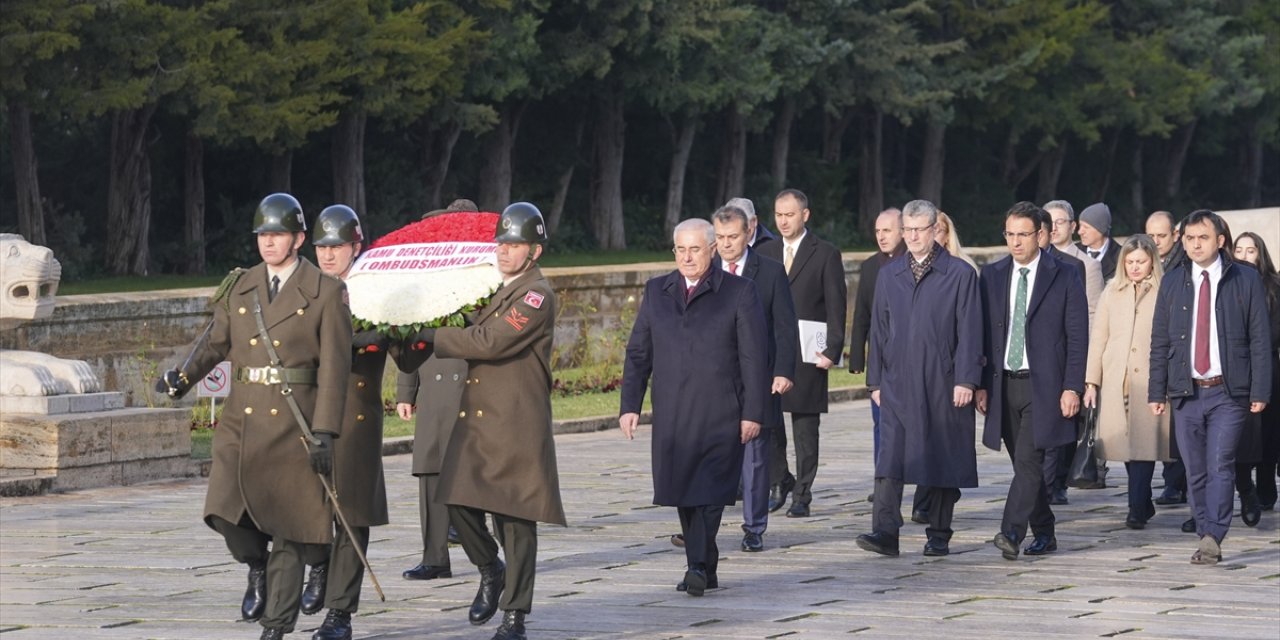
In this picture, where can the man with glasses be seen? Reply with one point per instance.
(816, 274)
(927, 320)
(700, 337)
(1063, 217)
(1035, 345)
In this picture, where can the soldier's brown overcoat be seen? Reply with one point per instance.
(436, 391)
(501, 457)
(259, 463)
(357, 463)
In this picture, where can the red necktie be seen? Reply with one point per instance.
(1202, 327)
(688, 292)
(733, 268)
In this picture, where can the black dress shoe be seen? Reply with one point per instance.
(879, 542)
(1189, 526)
(920, 516)
(493, 578)
(936, 547)
(871, 497)
(752, 542)
(313, 592)
(1058, 497)
(1008, 548)
(779, 492)
(1134, 522)
(427, 572)
(512, 627)
(1042, 545)
(695, 582)
(255, 596)
(1172, 497)
(453, 536)
(798, 510)
(677, 540)
(1250, 509)
(712, 583)
(272, 633)
(337, 626)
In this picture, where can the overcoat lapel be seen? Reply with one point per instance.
(1044, 280)
(807, 248)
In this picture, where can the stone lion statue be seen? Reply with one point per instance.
(29, 277)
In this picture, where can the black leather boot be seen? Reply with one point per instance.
(255, 596)
(512, 626)
(337, 626)
(493, 578)
(313, 593)
(272, 633)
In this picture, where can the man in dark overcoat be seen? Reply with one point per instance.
(501, 458)
(816, 274)
(700, 336)
(434, 392)
(925, 362)
(264, 484)
(890, 245)
(1035, 341)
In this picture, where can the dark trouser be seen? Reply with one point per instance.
(755, 483)
(875, 432)
(1175, 476)
(1028, 502)
(920, 500)
(1140, 474)
(778, 466)
(346, 572)
(804, 431)
(699, 526)
(940, 502)
(286, 565)
(435, 522)
(519, 543)
(1209, 423)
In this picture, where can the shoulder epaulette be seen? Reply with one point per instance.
(227, 283)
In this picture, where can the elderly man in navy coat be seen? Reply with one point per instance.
(700, 335)
(1210, 358)
(1036, 321)
(926, 361)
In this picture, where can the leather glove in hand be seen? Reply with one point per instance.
(322, 454)
(421, 341)
(370, 341)
(173, 384)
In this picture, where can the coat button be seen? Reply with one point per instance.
(275, 342)
(479, 414)
(253, 342)
(360, 417)
(476, 380)
(275, 412)
(455, 376)
(243, 310)
(360, 385)
(248, 411)
(300, 312)
(439, 377)
(462, 414)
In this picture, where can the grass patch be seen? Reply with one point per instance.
(122, 284)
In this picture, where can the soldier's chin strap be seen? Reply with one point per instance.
(529, 258)
(285, 389)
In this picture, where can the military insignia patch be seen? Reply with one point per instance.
(534, 299)
(516, 319)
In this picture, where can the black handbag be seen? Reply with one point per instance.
(1084, 466)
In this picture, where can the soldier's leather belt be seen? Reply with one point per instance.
(275, 375)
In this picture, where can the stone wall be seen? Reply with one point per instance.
(129, 337)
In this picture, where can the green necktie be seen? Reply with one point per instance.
(1018, 339)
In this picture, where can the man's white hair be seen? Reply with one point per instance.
(695, 224)
(746, 205)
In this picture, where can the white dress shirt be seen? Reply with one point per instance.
(283, 274)
(1215, 276)
(1033, 266)
(741, 262)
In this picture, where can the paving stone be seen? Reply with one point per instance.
(138, 562)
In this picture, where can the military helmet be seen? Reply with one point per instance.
(279, 212)
(337, 225)
(521, 222)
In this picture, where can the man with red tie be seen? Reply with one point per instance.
(1210, 345)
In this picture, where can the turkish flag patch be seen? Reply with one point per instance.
(516, 319)
(534, 299)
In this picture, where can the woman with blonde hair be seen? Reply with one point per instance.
(1118, 370)
(950, 240)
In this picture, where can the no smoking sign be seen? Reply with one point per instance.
(217, 384)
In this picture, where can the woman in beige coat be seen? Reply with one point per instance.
(1119, 369)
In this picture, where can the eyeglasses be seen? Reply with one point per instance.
(910, 231)
(1021, 235)
(690, 251)
(1062, 223)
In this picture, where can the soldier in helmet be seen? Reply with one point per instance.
(501, 457)
(286, 329)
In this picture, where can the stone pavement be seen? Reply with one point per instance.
(137, 562)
